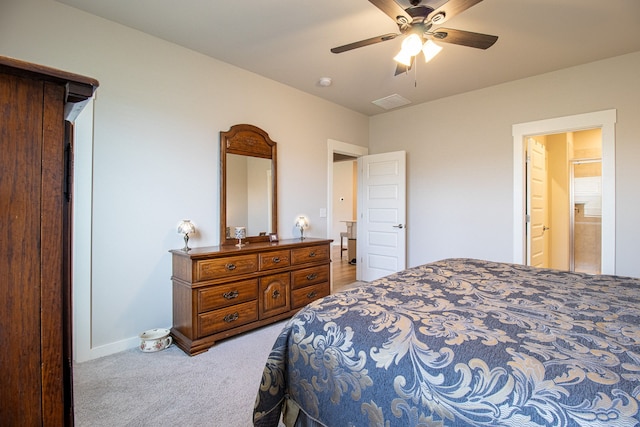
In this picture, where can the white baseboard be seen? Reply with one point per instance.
(106, 350)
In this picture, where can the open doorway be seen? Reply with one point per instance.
(564, 195)
(344, 212)
(345, 192)
(345, 209)
(605, 122)
(341, 183)
(381, 209)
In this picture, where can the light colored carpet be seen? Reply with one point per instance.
(216, 388)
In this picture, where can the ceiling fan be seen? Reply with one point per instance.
(416, 22)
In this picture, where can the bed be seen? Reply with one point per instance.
(461, 342)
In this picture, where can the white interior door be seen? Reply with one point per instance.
(537, 254)
(381, 227)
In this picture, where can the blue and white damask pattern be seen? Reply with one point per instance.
(462, 342)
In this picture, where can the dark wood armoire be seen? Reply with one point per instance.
(37, 106)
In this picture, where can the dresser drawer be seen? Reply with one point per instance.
(224, 295)
(303, 296)
(225, 267)
(275, 259)
(227, 318)
(309, 276)
(310, 254)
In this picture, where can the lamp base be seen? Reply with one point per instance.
(186, 243)
(240, 244)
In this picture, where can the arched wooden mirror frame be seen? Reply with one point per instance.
(246, 140)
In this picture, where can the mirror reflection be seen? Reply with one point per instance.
(249, 194)
(248, 179)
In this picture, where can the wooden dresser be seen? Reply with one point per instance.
(222, 291)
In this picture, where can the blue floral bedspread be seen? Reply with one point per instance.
(462, 342)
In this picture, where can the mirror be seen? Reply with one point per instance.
(248, 193)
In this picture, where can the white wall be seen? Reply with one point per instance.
(158, 114)
(460, 158)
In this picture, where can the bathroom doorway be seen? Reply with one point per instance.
(605, 122)
(564, 200)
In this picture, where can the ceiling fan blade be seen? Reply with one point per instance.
(362, 43)
(392, 10)
(450, 9)
(464, 38)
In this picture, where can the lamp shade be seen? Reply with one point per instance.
(302, 222)
(412, 45)
(186, 227)
(403, 58)
(430, 50)
(240, 232)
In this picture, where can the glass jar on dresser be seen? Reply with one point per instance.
(222, 291)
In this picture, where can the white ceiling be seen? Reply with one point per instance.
(289, 41)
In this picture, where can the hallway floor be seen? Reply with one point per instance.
(343, 272)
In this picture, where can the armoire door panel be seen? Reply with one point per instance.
(20, 189)
(53, 242)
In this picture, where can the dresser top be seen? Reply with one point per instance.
(204, 252)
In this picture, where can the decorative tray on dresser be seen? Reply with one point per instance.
(221, 291)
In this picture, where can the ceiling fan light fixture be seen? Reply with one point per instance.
(430, 50)
(411, 45)
(403, 58)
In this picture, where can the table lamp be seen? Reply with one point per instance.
(302, 223)
(186, 227)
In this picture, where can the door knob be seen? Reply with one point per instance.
(398, 226)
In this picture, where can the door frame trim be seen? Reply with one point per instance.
(605, 120)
